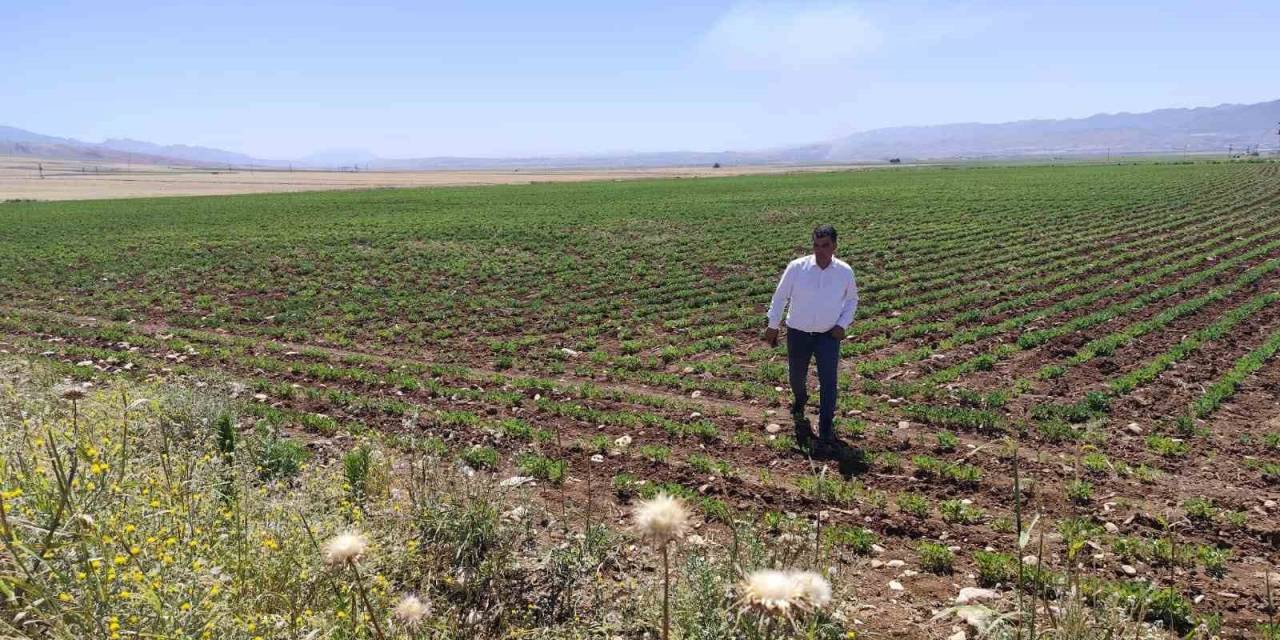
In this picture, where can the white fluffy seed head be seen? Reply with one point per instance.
(410, 611)
(344, 548)
(782, 593)
(663, 518)
(73, 392)
(770, 591)
(813, 588)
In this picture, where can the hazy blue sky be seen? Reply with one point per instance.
(406, 78)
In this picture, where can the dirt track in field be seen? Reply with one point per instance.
(20, 178)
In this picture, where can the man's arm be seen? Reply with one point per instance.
(780, 297)
(849, 308)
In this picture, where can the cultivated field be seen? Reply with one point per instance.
(1105, 333)
(20, 178)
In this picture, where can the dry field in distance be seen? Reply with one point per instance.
(79, 180)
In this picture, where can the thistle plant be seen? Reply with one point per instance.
(771, 599)
(344, 551)
(409, 612)
(663, 520)
(64, 470)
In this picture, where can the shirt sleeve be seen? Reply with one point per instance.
(850, 303)
(781, 295)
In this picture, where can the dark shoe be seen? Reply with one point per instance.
(827, 449)
(804, 431)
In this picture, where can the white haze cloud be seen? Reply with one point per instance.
(791, 36)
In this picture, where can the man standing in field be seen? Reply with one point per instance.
(823, 297)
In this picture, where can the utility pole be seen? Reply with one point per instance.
(40, 166)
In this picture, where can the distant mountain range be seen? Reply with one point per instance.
(1201, 129)
(18, 142)
(1163, 131)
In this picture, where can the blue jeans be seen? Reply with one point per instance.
(802, 347)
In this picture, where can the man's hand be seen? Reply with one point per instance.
(837, 333)
(771, 337)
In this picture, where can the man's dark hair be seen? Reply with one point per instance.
(825, 231)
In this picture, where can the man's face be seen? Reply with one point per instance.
(823, 249)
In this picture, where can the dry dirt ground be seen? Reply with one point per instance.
(20, 178)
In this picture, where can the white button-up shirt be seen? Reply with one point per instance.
(820, 298)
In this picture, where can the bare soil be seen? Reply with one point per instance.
(1135, 507)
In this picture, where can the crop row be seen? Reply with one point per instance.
(1035, 338)
(870, 366)
(1226, 386)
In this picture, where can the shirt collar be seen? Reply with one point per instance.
(813, 261)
